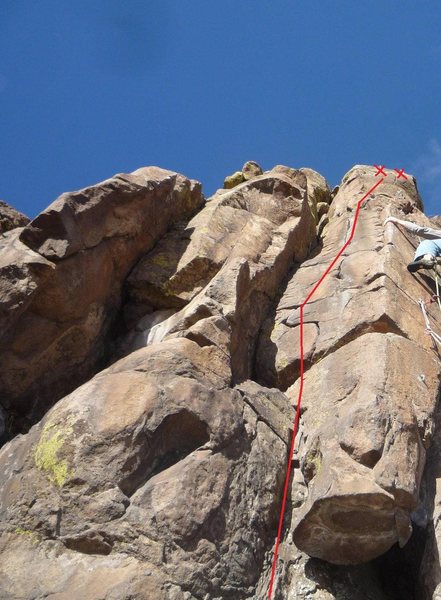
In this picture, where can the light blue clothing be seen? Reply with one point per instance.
(432, 247)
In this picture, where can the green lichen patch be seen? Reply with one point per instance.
(33, 537)
(313, 463)
(46, 454)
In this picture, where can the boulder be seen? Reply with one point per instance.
(251, 169)
(61, 280)
(134, 474)
(232, 180)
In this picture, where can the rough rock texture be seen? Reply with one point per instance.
(139, 468)
(232, 180)
(250, 170)
(371, 384)
(11, 218)
(61, 281)
(160, 473)
(225, 266)
(319, 192)
(436, 221)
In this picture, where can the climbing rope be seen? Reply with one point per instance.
(437, 291)
(436, 297)
(429, 331)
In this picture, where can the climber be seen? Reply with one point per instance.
(428, 250)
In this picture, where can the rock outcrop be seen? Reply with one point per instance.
(151, 359)
(370, 389)
(11, 218)
(250, 170)
(62, 276)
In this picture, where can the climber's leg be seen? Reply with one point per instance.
(425, 255)
(432, 247)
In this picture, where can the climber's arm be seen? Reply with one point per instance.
(424, 232)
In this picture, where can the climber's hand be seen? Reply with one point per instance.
(390, 220)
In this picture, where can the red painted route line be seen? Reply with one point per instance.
(302, 373)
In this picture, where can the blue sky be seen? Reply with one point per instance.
(92, 88)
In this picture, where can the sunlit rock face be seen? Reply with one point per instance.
(62, 280)
(150, 374)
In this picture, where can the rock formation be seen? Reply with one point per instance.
(10, 218)
(63, 276)
(436, 221)
(150, 356)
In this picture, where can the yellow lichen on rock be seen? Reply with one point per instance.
(232, 180)
(282, 361)
(46, 453)
(33, 537)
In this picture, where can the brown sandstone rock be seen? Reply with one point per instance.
(428, 519)
(370, 390)
(318, 190)
(365, 448)
(161, 476)
(237, 252)
(364, 284)
(334, 192)
(322, 209)
(324, 221)
(137, 469)
(11, 218)
(62, 276)
(113, 466)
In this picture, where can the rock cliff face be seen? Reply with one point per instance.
(63, 277)
(150, 348)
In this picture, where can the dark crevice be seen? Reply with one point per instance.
(271, 312)
(397, 569)
(260, 417)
